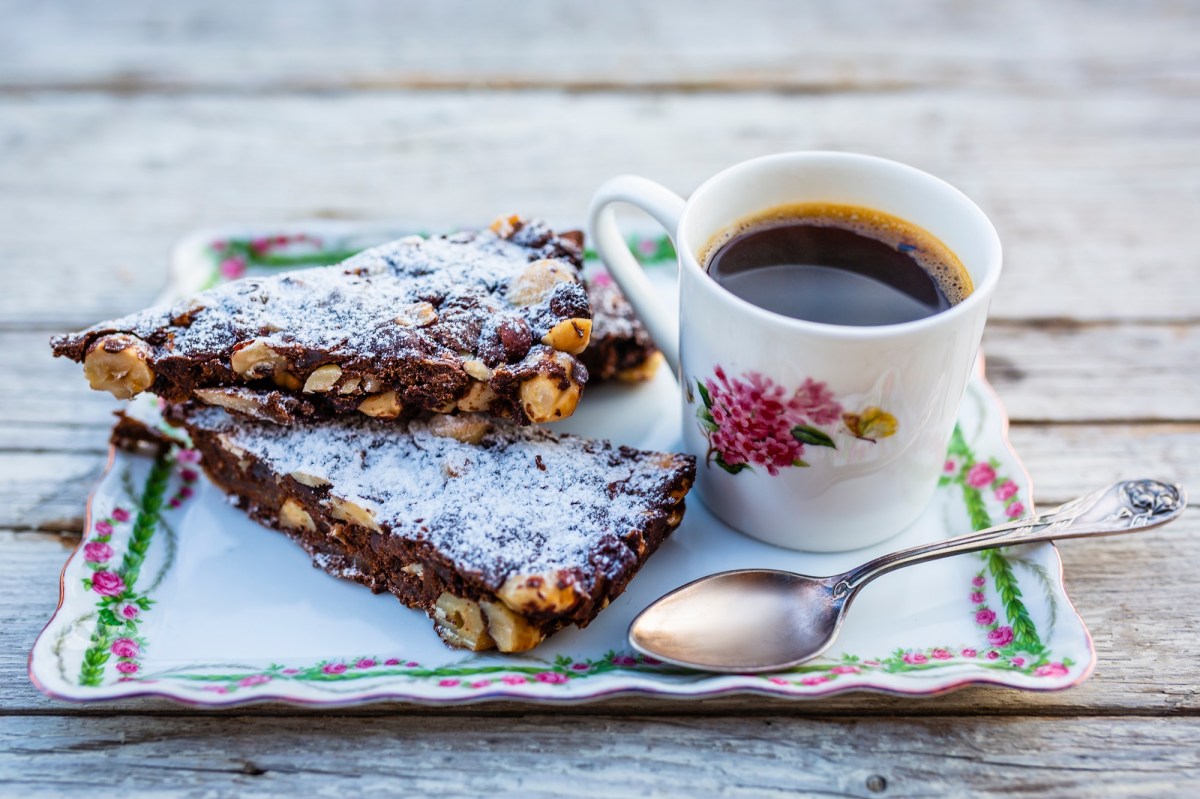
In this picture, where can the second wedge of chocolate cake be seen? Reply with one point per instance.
(480, 321)
(501, 534)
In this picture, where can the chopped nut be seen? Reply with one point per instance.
(515, 337)
(467, 428)
(338, 532)
(460, 623)
(642, 372)
(506, 226)
(382, 406)
(371, 384)
(536, 282)
(478, 398)
(419, 314)
(117, 364)
(285, 379)
(477, 370)
(243, 457)
(415, 569)
(544, 400)
(323, 378)
(254, 360)
(310, 480)
(293, 516)
(350, 386)
(570, 335)
(510, 632)
(455, 464)
(548, 593)
(348, 511)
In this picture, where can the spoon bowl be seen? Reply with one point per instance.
(704, 623)
(762, 620)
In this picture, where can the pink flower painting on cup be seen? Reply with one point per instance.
(753, 422)
(985, 616)
(127, 667)
(914, 658)
(1014, 510)
(120, 515)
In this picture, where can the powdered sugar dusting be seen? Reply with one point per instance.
(523, 501)
(351, 309)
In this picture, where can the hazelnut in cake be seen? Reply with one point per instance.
(484, 321)
(502, 534)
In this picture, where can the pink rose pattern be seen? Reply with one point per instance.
(753, 421)
(120, 606)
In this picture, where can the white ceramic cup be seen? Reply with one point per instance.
(810, 436)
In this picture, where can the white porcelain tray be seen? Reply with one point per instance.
(174, 593)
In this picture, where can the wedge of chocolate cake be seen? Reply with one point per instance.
(502, 534)
(482, 321)
(621, 348)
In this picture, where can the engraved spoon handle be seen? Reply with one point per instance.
(1122, 507)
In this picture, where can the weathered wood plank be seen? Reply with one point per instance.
(1092, 193)
(602, 756)
(765, 43)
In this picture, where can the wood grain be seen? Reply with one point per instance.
(785, 46)
(602, 756)
(1074, 125)
(1093, 194)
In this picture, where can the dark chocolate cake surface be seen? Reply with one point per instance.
(463, 321)
(509, 500)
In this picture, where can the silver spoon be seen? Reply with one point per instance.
(755, 620)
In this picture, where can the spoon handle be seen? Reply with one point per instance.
(1122, 507)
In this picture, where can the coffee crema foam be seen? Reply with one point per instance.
(938, 260)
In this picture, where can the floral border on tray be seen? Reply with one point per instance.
(1009, 639)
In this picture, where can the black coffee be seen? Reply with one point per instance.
(838, 264)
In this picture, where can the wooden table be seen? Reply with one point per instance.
(1076, 126)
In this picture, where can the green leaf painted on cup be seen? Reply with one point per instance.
(704, 395)
(732, 468)
(807, 434)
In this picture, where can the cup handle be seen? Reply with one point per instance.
(666, 207)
